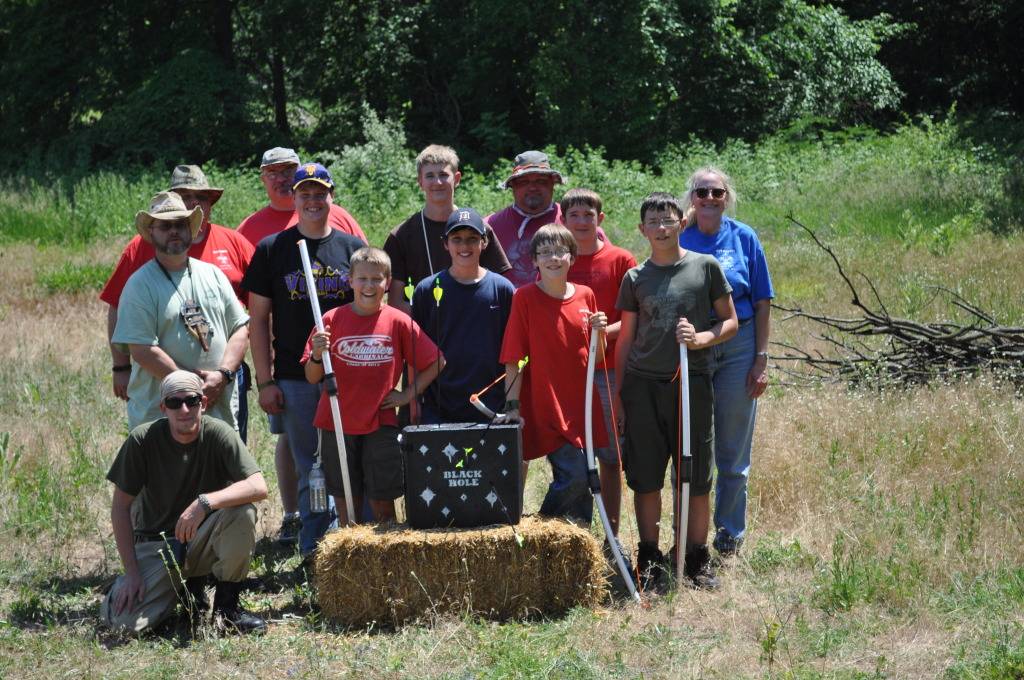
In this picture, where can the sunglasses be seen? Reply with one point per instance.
(702, 192)
(192, 401)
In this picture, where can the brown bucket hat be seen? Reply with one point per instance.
(193, 178)
(167, 205)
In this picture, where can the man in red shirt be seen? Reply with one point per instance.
(215, 244)
(277, 171)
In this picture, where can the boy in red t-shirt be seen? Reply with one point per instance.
(369, 341)
(600, 266)
(550, 323)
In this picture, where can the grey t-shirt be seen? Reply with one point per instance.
(660, 295)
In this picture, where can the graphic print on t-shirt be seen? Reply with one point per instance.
(331, 283)
(725, 258)
(364, 350)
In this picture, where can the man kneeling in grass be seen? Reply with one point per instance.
(196, 484)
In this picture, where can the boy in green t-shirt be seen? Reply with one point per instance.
(675, 296)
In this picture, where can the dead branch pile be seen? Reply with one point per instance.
(911, 352)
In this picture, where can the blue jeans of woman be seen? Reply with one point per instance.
(735, 413)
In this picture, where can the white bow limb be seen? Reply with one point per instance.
(593, 476)
(330, 382)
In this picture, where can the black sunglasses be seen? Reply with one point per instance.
(702, 192)
(174, 403)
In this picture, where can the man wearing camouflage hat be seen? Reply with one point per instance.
(215, 244)
(178, 312)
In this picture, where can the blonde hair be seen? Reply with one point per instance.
(437, 153)
(371, 255)
(691, 184)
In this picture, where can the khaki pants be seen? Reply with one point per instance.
(223, 547)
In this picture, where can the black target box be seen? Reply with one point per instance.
(462, 474)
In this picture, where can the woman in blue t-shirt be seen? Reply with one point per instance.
(740, 373)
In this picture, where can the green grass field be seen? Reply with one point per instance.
(885, 534)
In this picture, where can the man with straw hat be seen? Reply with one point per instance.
(178, 312)
(195, 484)
(218, 245)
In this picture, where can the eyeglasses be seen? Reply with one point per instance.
(667, 222)
(287, 173)
(553, 252)
(174, 403)
(702, 192)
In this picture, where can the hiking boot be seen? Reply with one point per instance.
(290, 526)
(699, 569)
(649, 564)
(194, 599)
(229, 612)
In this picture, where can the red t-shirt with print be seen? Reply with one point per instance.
(222, 247)
(267, 221)
(556, 336)
(367, 353)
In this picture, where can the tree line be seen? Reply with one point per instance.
(91, 84)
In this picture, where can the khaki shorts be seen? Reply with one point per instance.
(653, 431)
(374, 464)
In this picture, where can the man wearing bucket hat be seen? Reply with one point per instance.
(277, 173)
(218, 245)
(282, 320)
(178, 312)
(532, 182)
(195, 483)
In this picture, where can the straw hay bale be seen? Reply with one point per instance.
(392, 575)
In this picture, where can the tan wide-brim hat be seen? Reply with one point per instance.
(167, 205)
(193, 178)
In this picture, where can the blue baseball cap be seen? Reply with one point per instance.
(465, 218)
(312, 172)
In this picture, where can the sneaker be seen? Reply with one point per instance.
(726, 546)
(699, 569)
(649, 564)
(289, 533)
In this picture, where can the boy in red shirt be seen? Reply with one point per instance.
(600, 266)
(551, 321)
(369, 341)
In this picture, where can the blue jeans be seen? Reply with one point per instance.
(568, 494)
(735, 413)
(300, 400)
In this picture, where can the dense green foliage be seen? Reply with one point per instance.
(90, 83)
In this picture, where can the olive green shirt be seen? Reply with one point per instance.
(660, 295)
(167, 476)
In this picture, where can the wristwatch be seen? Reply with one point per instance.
(205, 502)
(228, 375)
(762, 354)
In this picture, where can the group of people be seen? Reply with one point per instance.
(452, 303)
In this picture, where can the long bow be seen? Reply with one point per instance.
(593, 477)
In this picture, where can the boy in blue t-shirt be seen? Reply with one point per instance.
(465, 317)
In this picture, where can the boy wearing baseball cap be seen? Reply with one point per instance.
(466, 318)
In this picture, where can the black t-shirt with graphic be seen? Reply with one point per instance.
(276, 272)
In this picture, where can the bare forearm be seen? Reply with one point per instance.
(425, 377)
(762, 324)
(234, 353)
(252, 489)
(117, 356)
(512, 384)
(124, 534)
(153, 360)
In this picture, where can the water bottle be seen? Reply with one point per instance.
(317, 490)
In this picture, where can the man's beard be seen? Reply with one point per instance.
(176, 248)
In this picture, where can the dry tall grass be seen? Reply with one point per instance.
(885, 527)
